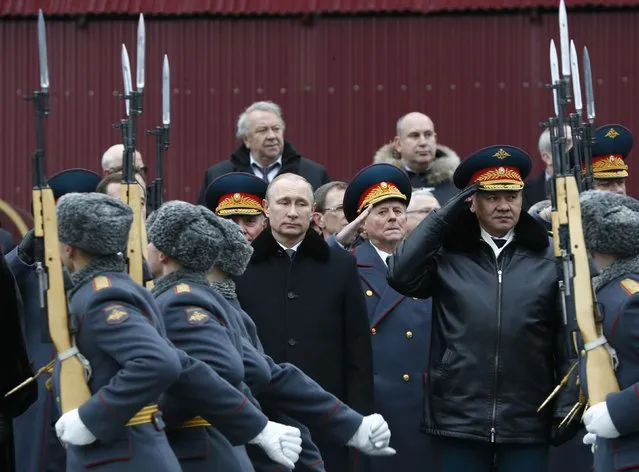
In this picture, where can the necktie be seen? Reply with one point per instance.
(499, 242)
(291, 253)
(265, 170)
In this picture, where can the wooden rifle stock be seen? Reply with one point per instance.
(600, 375)
(130, 194)
(74, 390)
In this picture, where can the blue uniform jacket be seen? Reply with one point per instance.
(400, 334)
(619, 301)
(36, 445)
(195, 324)
(131, 366)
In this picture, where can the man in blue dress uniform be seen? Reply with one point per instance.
(36, 447)
(609, 152)
(611, 232)
(400, 326)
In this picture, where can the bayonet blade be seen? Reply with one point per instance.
(42, 53)
(576, 84)
(126, 78)
(590, 97)
(563, 39)
(554, 74)
(140, 57)
(166, 90)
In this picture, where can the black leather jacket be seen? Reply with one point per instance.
(498, 346)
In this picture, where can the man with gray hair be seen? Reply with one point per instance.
(263, 150)
(537, 188)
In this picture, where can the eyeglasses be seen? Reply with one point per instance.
(335, 208)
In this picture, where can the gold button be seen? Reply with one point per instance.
(583, 353)
(405, 377)
(415, 298)
(373, 331)
(57, 399)
(409, 335)
(369, 293)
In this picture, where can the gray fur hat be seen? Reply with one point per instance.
(611, 223)
(236, 251)
(186, 233)
(94, 222)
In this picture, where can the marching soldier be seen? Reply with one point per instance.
(612, 145)
(182, 247)
(399, 325)
(119, 427)
(611, 232)
(36, 446)
(498, 337)
(120, 333)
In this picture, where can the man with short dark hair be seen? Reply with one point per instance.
(328, 216)
(305, 300)
(263, 150)
(499, 345)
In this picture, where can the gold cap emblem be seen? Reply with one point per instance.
(501, 170)
(612, 133)
(501, 154)
(383, 185)
(237, 197)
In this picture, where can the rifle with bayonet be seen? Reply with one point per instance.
(161, 134)
(578, 300)
(53, 301)
(131, 190)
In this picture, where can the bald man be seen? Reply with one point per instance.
(112, 160)
(415, 150)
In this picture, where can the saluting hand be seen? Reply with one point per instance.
(372, 437)
(349, 233)
(71, 430)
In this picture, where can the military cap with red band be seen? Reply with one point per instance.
(609, 151)
(374, 184)
(496, 168)
(236, 193)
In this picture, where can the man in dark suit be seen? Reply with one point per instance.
(306, 301)
(537, 188)
(263, 151)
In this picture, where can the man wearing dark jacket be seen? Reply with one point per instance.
(498, 344)
(263, 152)
(306, 301)
(416, 151)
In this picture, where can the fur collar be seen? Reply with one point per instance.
(313, 245)
(464, 234)
(615, 270)
(179, 276)
(440, 170)
(226, 288)
(111, 263)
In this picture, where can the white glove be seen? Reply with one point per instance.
(281, 443)
(589, 440)
(372, 437)
(598, 421)
(71, 430)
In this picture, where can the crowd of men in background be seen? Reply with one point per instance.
(407, 291)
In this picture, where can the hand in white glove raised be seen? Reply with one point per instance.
(372, 437)
(281, 443)
(589, 440)
(71, 430)
(598, 421)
